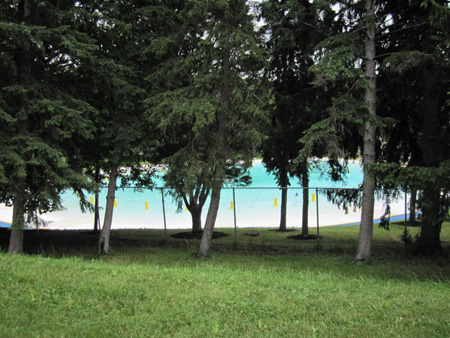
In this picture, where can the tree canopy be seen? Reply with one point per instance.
(39, 112)
(211, 105)
(98, 86)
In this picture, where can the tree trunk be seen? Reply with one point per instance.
(18, 222)
(305, 185)
(194, 203)
(17, 226)
(96, 209)
(284, 181)
(429, 242)
(432, 155)
(283, 211)
(22, 60)
(96, 214)
(364, 250)
(412, 206)
(16, 241)
(196, 215)
(106, 230)
(208, 230)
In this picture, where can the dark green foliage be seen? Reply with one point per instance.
(112, 82)
(207, 94)
(418, 177)
(415, 77)
(338, 72)
(293, 29)
(412, 49)
(292, 36)
(344, 198)
(405, 57)
(39, 112)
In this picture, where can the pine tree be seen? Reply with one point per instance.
(411, 40)
(293, 29)
(113, 82)
(211, 101)
(39, 114)
(415, 78)
(346, 63)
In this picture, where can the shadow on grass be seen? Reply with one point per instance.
(334, 254)
(196, 235)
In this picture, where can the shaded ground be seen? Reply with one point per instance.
(58, 243)
(301, 237)
(45, 241)
(410, 224)
(68, 241)
(196, 235)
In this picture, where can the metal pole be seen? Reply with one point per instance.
(164, 214)
(234, 211)
(317, 216)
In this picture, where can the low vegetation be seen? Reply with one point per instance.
(261, 286)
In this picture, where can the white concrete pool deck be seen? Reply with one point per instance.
(247, 216)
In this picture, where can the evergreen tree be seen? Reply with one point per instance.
(364, 250)
(114, 84)
(40, 51)
(210, 104)
(415, 81)
(293, 29)
(412, 41)
(347, 64)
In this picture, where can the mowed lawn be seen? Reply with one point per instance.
(265, 286)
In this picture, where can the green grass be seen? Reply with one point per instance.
(247, 289)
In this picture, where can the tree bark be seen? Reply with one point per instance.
(284, 181)
(96, 208)
(208, 230)
(106, 230)
(22, 61)
(432, 154)
(96, 214)
(364, 250)
(196, 215)
(16, 241)
(17, 226)
(194, 203)
(429, 242)
(412, 206)
(305, 185)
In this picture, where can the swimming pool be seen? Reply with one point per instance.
(256, 206)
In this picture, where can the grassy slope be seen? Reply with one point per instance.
(166, 292)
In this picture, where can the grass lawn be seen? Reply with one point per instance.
(264, 286)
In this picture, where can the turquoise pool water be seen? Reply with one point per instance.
(318, 176)
(257, 206)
